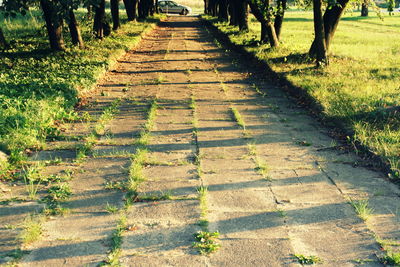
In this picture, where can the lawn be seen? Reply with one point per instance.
(358, 87)
(38, 87)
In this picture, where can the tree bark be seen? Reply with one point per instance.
(114, 4)
(321, 54)
(364, 9)
(99, 20)
(3, 42)
(331, 20)
(279, 17)
(223, 10)
(74, 30)
(53, 25)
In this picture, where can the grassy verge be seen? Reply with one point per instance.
(360, 87)
(39, 88)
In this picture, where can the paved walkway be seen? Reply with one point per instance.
(277, 184)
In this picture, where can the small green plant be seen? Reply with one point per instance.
(56, 195)
(136, 169)
(202, 191)
(262, 168)
(238, 118)
(31, 229)
(111, 208)
(391, 258)
(302, 259)
(263, 94)
(156, 197)
(362, 209)
(116, 243)
(206, 242)
(252, 150)
(32, 180)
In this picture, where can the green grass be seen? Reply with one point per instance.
(362, 209)
(391, 259)
(302, 259)
(361, 82)
(237, 117)
(31, 229)
(205, 242)
(39, 88)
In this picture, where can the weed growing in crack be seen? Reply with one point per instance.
(262, 168)
(251, 148)
(32, 180)
(148, 126)
(202, 191)
(391, 258)
(31, 229)
(113, 257)
(56, 195)
(111, 208)
(263, 94)
(302, 259)
(136, 175)
(84, 149)
(206, 242)
(237, 117)
(361, 208)
(156, 197)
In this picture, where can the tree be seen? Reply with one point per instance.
(265, 15)
(364, 8)
(115, 13)
(131, 9)
(54, 14)
(54, 25)
(320, 45)
(331, 19)
(3, 42)
(74, 30)
(145, 8)
(223, 10)
(239, 12)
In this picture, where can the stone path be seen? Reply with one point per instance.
(277, 185)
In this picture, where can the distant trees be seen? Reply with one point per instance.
(58, 13)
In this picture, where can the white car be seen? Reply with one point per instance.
(168, 6)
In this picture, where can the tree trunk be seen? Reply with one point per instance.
(114, 4)
(320, 45)
(53, 25)
(130, 12)
(144, 9)
(242, 14)
(279, 17)
(264, 34)
(364, 9)
(267, 28)
(223, 10)
(206, 6)
(331, 20)
(3, 42)
(100, 26)
(232, 13)
(74, 30)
